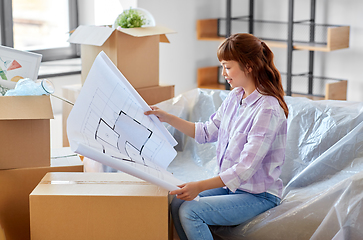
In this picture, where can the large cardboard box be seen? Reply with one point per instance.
(25, 131)
(93, 206)
(151, 95)
(17, 184)
(135, 51)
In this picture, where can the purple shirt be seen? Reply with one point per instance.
(251, 140)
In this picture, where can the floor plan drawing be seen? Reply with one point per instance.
(109, 124)
(119, 128)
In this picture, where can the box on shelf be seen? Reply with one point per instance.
(151, 95)
(17, 184)
(25, 131)
(135, 51)
(93, 206)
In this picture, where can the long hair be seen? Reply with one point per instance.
(252, 53)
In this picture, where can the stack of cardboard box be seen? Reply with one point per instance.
(134, 51)
(79, 205)
(25, 157)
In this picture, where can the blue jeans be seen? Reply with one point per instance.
(219, 207)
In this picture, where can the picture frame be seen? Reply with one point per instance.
(17, 64)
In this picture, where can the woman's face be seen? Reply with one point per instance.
(235, 76)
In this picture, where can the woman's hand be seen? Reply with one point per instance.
(162, 115)
(187, 191)
(182, 125)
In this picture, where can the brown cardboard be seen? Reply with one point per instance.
(25, 131)
(135, 52)
(151, 95)
(154, 95)
(69, 92)
(93, 206)
(2, 234)
(16, 185)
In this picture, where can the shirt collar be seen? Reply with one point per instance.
(249, 100)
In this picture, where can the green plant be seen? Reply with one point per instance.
(130, 19)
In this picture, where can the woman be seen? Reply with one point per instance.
(250, 130)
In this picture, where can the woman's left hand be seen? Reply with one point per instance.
(187, 191)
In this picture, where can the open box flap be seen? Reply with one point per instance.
(148, 31)
(97, 35)
(91, 35)
(25, 107)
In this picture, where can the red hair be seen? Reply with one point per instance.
(251, 52)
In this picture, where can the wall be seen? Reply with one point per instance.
(180, 59)
(96, 12)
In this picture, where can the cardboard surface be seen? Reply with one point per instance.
(16, 185)
(91, 35)
(97, 35)
(69, 92)
(25, 131)
(154, 95)
(151, 95)
(25, 107)
(97, 206)
(134, 51)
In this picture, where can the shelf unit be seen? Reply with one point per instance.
(337, 37)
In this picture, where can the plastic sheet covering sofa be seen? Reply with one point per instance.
(322, 173)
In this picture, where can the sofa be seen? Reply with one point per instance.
(322, 173)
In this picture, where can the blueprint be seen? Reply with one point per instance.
(107, 124)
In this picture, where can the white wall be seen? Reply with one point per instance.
(102, 12)
(180, 59)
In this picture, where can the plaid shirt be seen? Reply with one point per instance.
(251, 140)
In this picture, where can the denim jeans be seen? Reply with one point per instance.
(217, 207)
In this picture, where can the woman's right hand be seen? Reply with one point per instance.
(162, 115)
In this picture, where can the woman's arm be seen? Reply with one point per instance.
(189, 191)
(182, 125)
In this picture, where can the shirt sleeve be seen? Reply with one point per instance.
(259, 141)
(208, 131)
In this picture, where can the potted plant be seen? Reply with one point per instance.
(134, 17)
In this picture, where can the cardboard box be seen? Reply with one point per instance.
(93, 206)
(154, 95)
(135, 51)
(69, 92)
(2, 234)
(25, 131)
(151, 95)
(16, 185)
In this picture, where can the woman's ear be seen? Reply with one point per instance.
(248, 69)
